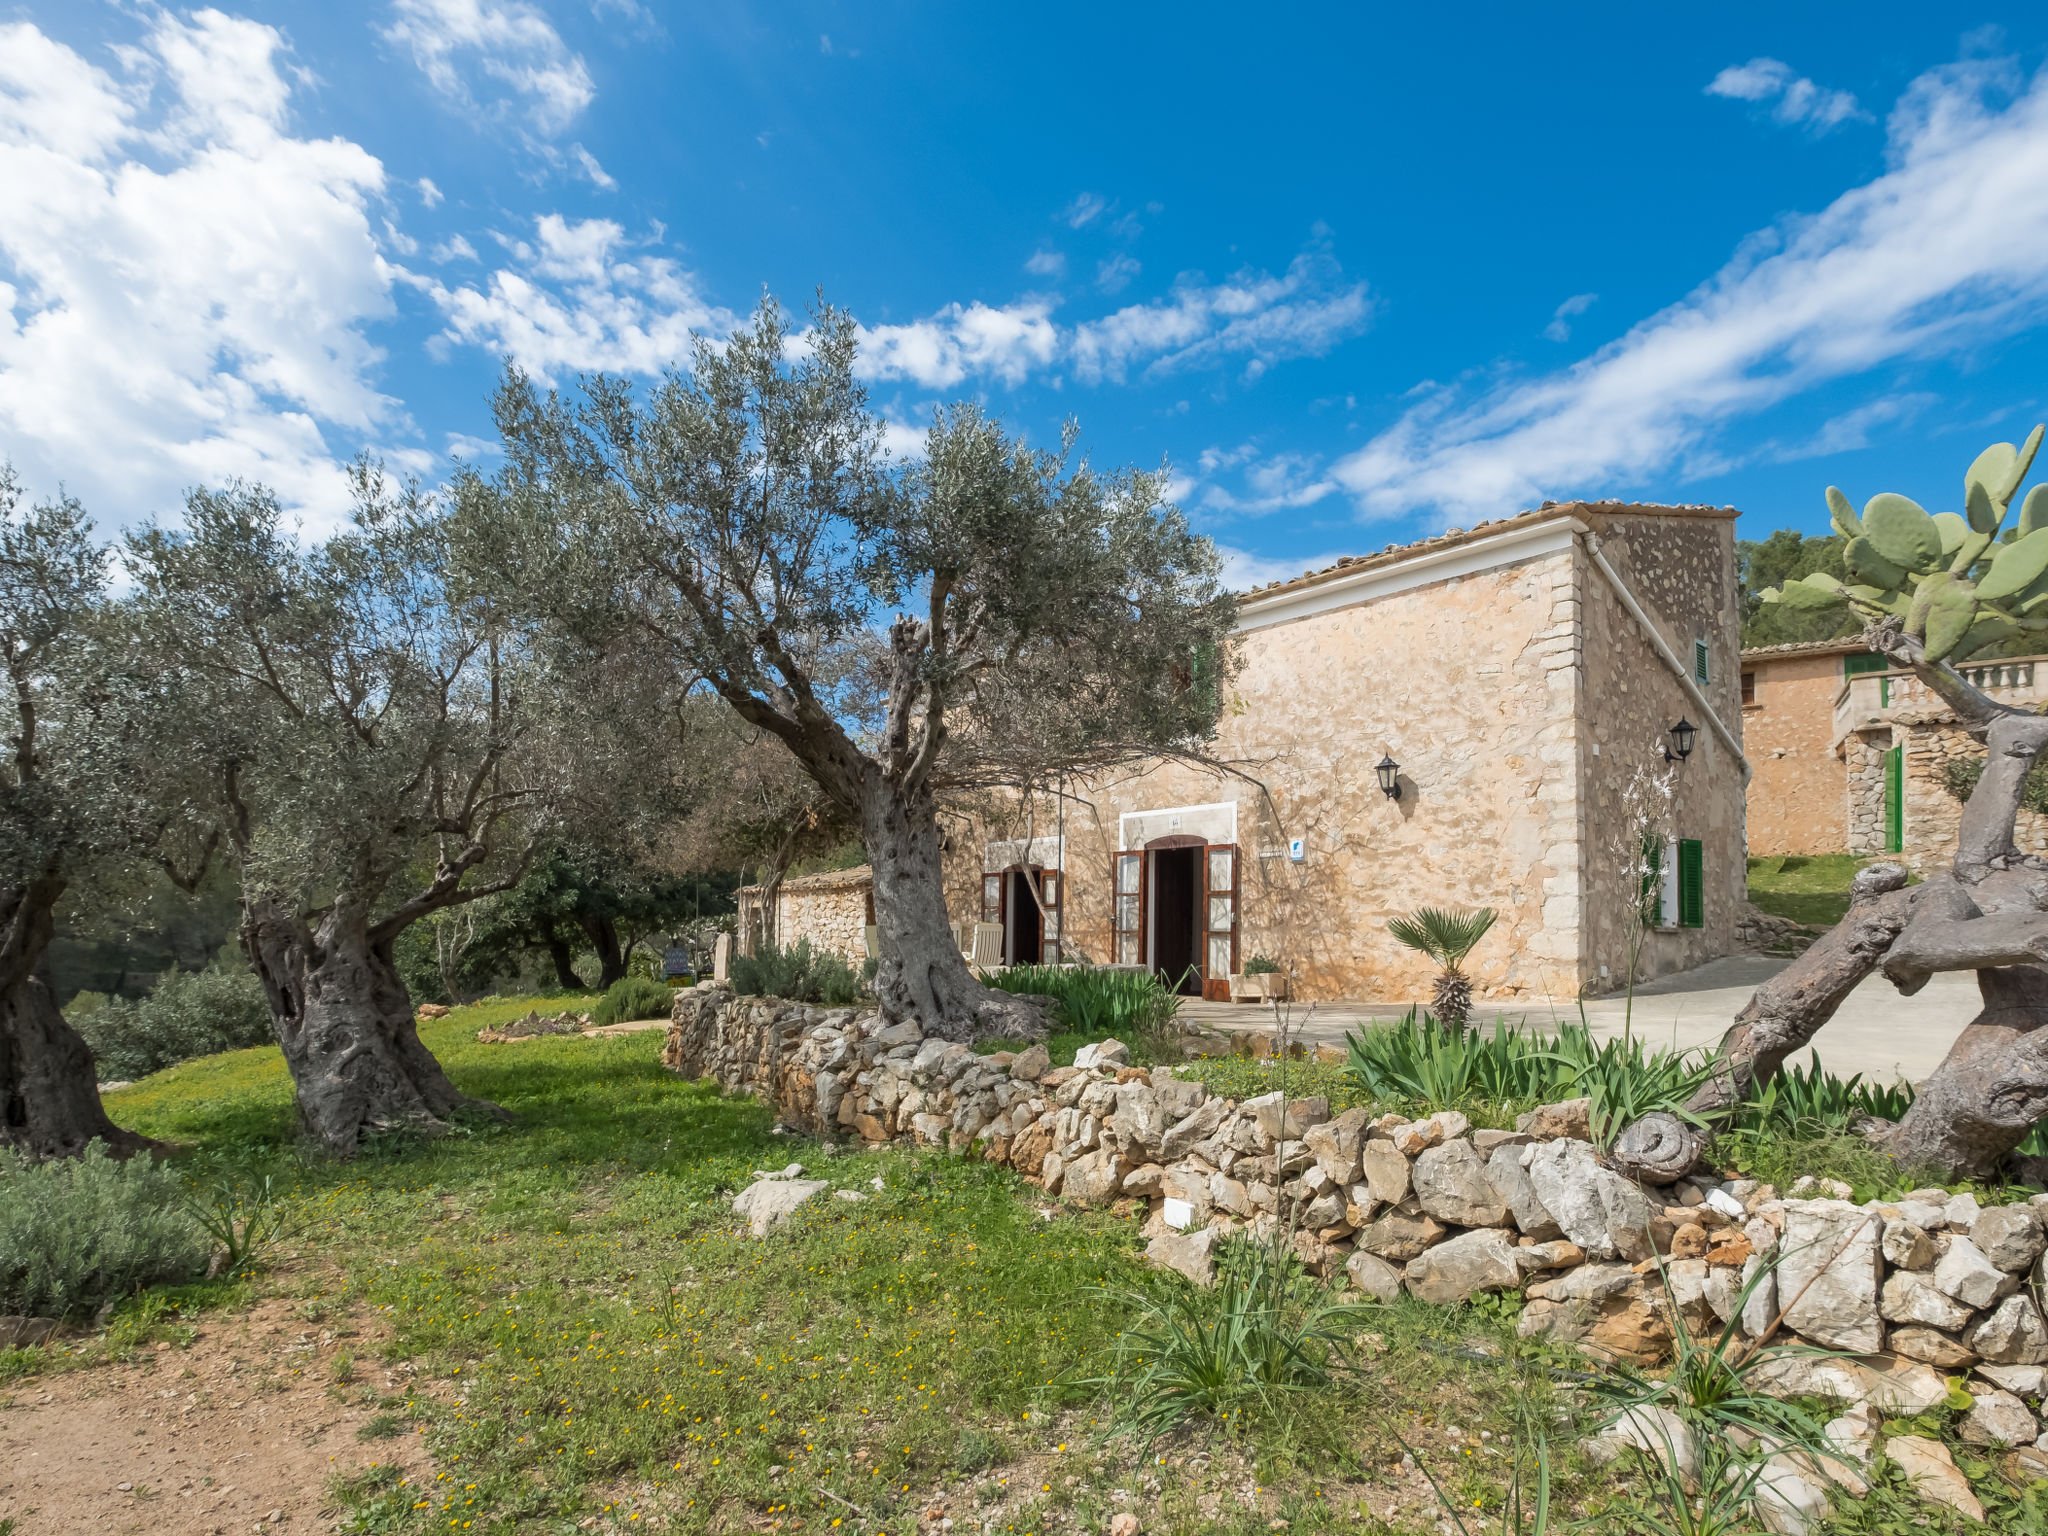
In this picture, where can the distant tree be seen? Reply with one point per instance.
(66, 775)
(604, 899)
(1788, 555)
(371, 734)
(744, 517)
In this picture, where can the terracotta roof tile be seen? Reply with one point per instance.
(1806, 647)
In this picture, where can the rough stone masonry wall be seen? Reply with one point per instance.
(1863, 756)
(1932, 813)
(1911, 1289)
(831, 917)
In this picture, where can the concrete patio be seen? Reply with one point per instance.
(1876, 1032)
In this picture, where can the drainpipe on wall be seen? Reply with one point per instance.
(1670, 659)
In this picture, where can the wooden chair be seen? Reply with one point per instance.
(871, 938)
(987, 954)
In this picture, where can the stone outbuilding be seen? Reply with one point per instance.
(832, 909)
(1853, 755)
(1516, 686)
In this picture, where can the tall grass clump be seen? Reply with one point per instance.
(799, 973)
(1134, 1006)
(634, 997)
(186, 1014)
(80, 1232)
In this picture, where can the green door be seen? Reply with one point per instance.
(1895, 800)
(1857, 663)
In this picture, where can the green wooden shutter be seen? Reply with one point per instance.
(1692, 887)
(1652, 893)
(1699, 660)
(1895, 800)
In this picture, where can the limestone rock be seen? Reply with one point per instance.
(2013, 1335)
(1198, 1124)
(1397, 1238)
(1907, 1246)
(1967, 1275)
(1790, 1496)
(1388, 1174)
(1661, 1435)
(2022, 1380)
(1300, 1115)
(1140, 1120)
(1451, 1185)
(1190, 1253)
(1179, 1096)
(1910, 1296)
(1998, 1418)
(1962, 1212)
(1373, 1275)
(1588, 1282)
(1896, 1386)
(1557, 1254)
(1512, 1182)
(2009, 1236)
(1830, 1268)
(1227, 1194)
(1928, 1466)
(1145, 1181)
(1336, 1145)
(1419, 1136)
(1594, 1206)
(1930, 1346)
(1690, 1242)
(1454, 1271)
(1102, 1053)
(768, 1202)
(1571, 1120)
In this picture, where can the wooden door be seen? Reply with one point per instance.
(1127, 882)
(1219, 920)
(1049, 897)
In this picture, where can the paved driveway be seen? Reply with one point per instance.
(1876, 1032)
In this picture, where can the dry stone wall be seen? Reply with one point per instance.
(1912, 1289)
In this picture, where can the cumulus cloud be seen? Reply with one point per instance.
(185, 287)
(580, 298)
(1947, 247)
(1798, 100)
(1243, 570)
(942, 349)
(1084, 210)
(1560, 327)
(1115, 274)
(1050, 264)
(1267, 482)
(521, 58)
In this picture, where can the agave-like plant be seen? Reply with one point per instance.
(1447, 938)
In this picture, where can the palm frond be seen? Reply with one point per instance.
(1445, 936)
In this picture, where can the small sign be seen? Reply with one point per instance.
(1297, 848)
(1173, 824)
(675, 961)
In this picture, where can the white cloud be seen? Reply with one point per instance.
(1115, 274)
(1243, 570)
(1084, 210)
(576, 300)
(1947, 248)
(184, 286)
(429, 193)
(1272, 483)
(513, 45)
(939, 351)
(1798, 99)
(592, 169)
(1254, 314)
(454, 248)
(1560, 327)
(1047, 264)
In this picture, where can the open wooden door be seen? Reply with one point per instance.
(1219, 920)
(1128, 918)
(992, 895)
(1050, 895)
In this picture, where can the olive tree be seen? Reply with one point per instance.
(1931, 589)
(65, 805)
(1020, 607)
(369, 733)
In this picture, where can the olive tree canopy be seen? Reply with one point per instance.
(1021, 612)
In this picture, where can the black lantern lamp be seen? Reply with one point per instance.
(1681, 738)
(1390, 777)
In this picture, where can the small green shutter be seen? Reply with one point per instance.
(1895, 800)
(1699, 660)
(1652, 893)
(1692, 886)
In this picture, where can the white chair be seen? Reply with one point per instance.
(987, 954)
(871, 937)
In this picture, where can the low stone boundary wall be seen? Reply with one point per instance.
(1917, 1288)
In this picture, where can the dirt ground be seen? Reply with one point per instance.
(238, 1431)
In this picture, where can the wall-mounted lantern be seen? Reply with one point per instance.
(1682, 735)
(1390, 777)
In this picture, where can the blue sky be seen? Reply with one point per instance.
(1357, 273)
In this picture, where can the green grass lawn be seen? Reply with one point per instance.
(1807, 888)
(595, 1344)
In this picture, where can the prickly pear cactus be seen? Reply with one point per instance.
(1957, 581)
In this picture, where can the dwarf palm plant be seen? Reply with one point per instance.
(1447, 938)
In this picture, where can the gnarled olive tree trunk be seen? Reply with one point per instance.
(345, 1021)
(921, 975)
(49, 1090)
(1987, 912)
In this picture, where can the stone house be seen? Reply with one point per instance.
(832, 909)
(1852, 755)
(1517, 684)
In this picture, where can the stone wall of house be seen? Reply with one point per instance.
(1471, 685)
(1863, 785)
(1799, 784)
(1681, 570)
(1932, 814)
(833, 918)
(1432, 1206)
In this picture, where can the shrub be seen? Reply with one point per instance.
(1134, 1006)
(78, 1233)
(1261, 965)
(187, 1014)
(634, 997)
(799, 974)
(1959, 776)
